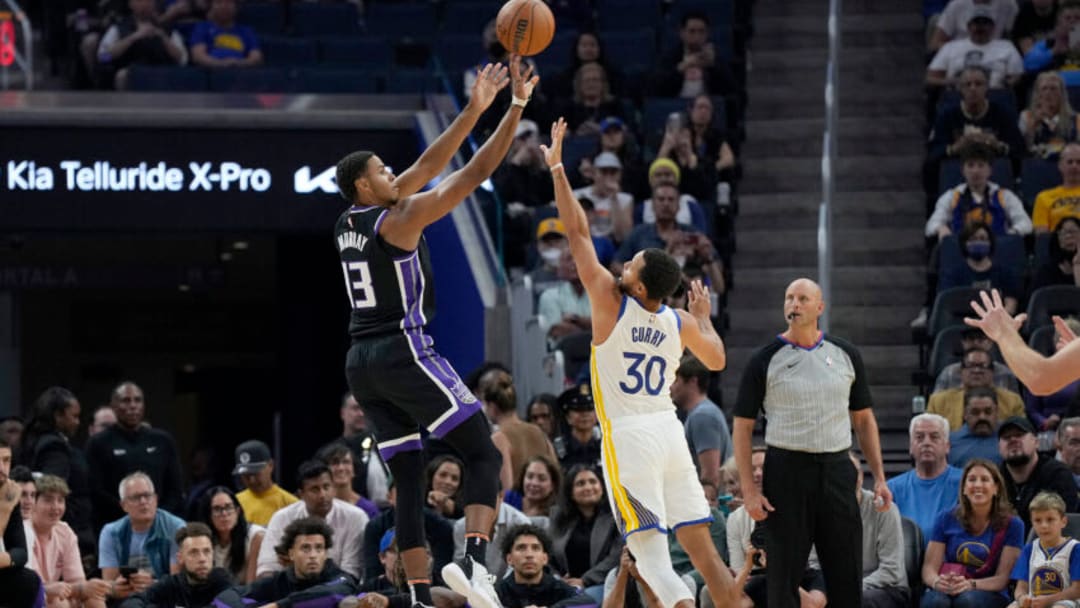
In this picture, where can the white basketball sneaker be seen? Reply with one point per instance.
(476, 584)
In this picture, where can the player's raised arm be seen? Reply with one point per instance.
(489, 81)
(594, 277)
(698, 333)
(412, 214)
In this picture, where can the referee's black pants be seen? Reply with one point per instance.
(814, 498)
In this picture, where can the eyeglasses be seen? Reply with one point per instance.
(223, 509)
(980, 366)
(143, 497)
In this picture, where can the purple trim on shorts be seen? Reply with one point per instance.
(409, 269)
(442, 372)
(405, 446)
(39, 601)
(705, 520)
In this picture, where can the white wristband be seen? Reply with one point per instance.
(552, 168)
(517, 101)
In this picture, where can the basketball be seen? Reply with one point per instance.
(525, 27)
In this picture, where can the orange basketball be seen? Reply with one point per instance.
(525, 27)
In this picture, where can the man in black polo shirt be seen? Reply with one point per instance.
(1027, 472)
(813, 389)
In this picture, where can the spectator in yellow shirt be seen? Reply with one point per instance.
(263, 497)
(1055, 204)
(976, 371)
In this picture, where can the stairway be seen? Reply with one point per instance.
(878, 280)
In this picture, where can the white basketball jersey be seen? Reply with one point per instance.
(633, 369)
(1048, 570)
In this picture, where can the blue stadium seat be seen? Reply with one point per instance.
(356, 51)
(952, 174)
(1001, 97)
(1037, 175)
(578, 147)
(655, 112)
(720, 12)
(166, 78)
(632, 49)
(1042, 249)
(468, 18)
(249, 80)
(263, 17)
(403, 21)
(621, 15)
(1074, 96)
(1063, 300)
(412, 81)
(284, 51)
(459, 51)
(309, 19)
(336, 80)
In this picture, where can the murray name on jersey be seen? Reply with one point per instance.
(351, 240)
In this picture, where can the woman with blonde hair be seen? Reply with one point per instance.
(1049, 122)
(974, 546)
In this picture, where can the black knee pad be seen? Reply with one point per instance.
(483, 462)
(408, 471)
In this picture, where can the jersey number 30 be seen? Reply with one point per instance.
(641, 374)
(358, 284)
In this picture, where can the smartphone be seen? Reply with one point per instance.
(127, 571)
(674, 122)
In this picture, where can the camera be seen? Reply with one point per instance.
(757, 541)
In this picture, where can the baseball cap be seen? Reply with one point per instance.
(981, 12)
(251, 457)
(1020, 422)
(551, 225)
(578, 398)
(386, 540)
(526, 126)
(607, 160)
(609, 122)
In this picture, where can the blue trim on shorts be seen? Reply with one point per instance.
(707, 520)
(656, 527)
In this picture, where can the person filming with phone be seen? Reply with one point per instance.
(1060, 50)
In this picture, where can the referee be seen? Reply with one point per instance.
(812, 389)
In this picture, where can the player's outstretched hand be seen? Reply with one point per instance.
(491, 79)
(698, 300)
(522, 80)
(553, 155)
(994, 320)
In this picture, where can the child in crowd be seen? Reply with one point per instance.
(1047, 574)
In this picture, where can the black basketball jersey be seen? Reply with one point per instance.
(390, 289)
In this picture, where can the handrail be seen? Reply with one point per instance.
(24, 60)
(828, 160)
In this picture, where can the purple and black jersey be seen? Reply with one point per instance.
(390, 290)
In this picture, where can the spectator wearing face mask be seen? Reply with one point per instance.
(978, 269)
(550, 244)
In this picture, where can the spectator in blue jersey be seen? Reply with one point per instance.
(973, 547)
(933, 485)
(976, 438)
(978, 268)
(219, 42)
(1059, 50)
(978, 200)
(1048, 570)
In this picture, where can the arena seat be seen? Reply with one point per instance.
(401, 21)
(1042, 340)
(407, 80)
(1049, 301)
(1036, 175)
(264, 17)
(286, 51)
(309, 19)
(250, 80)
(167, 78)
(631, 48)
(913, 557)
(355, 51)
(337, 80)
(951, 174)
(950, 308)
(945, 351)
(468, 18)
(622, 15)
(459, 52)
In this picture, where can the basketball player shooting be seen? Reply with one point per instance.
(1041, 375)
(392, 369)
(637, 344)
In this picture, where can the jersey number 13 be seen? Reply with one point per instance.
(358, 284)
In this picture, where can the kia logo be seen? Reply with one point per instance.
(304, 183)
